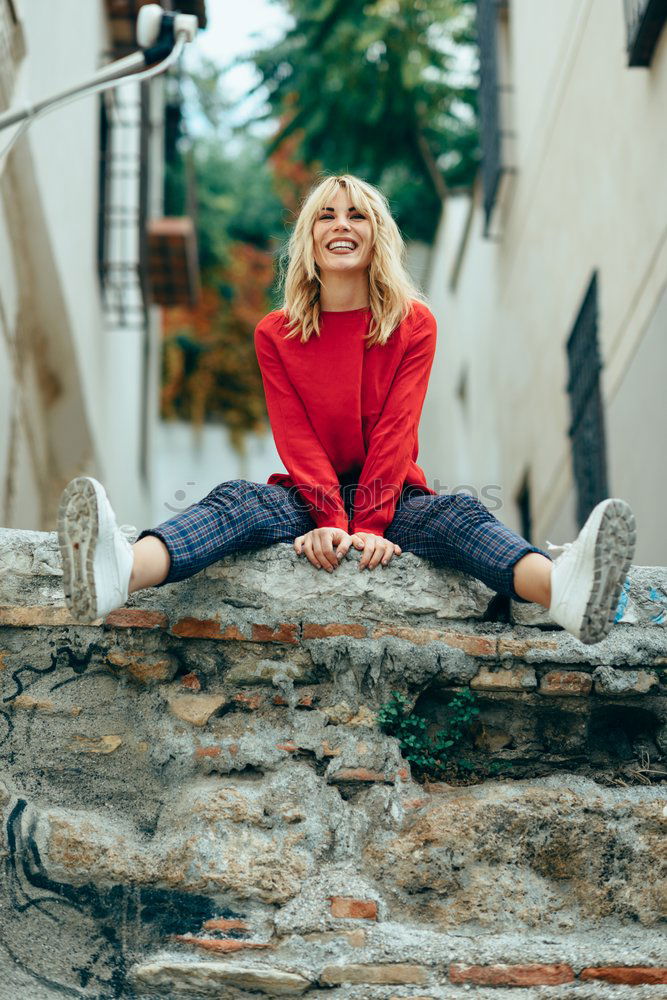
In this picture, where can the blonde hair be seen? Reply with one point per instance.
(391, 290)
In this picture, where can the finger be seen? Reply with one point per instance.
(343, 548)
(388, 555)
(327, 561)
(328, 549)
(380, 550)
(397, 550)
(298, 542)
(308, 549)
(369, 548)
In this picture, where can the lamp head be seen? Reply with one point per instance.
(156, 26)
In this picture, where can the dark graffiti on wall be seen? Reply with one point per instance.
(73, 940)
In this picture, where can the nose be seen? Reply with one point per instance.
(342, 222)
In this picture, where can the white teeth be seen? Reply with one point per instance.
(342, 245)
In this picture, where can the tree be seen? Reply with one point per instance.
(374, 89)
(209, 370)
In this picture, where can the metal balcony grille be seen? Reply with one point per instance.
(489, 102)
(586, 429)
(644, 21)
(123, 204)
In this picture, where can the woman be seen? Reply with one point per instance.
(345, 366)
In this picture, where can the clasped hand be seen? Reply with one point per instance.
(318, 547)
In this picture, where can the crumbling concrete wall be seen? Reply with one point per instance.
(197, 799)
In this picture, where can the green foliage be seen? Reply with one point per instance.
(497, 765)
(366, 87)
(430, 756)
(235, 200)
(374, 88)
(209, 369)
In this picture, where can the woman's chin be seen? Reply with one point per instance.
(343, 266)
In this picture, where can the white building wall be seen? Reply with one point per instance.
(70, 383)
(589, 193)
(636, 426)
(64, 45)
(126, 460)
(188, 463)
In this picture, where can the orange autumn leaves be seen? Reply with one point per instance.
(210, 370)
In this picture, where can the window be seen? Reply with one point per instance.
(587, 419)
(494, 101)
(523, 504)
(644, 20)
(123, 205)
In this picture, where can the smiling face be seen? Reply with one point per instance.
(342, 236)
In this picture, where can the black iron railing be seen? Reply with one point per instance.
(644, 21)
(489, 103)
(123, 207)
(523, 502)
(586, 431)
(103, 191)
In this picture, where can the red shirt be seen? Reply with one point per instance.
(340, 411)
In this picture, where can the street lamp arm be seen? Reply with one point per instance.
(162, 36)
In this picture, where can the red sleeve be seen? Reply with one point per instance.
(393, 443)
(299, 447)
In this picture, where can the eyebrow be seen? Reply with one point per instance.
(330, 209)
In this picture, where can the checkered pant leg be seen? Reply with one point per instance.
(457, 531)
(235, 516)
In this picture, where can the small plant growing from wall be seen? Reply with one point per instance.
(430, 756)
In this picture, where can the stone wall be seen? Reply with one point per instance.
(197, 799)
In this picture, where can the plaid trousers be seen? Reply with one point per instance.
(452, 530)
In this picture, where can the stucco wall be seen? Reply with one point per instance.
(588, 194)
(72, 384)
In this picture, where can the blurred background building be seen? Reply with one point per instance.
(549, 281)
(521, 144)
(86, 258)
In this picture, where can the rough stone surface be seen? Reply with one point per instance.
(208, 978)
(196, 798)
(195, 708)
(607, 680)
(274, 577)
(390, 973)
(504, 679)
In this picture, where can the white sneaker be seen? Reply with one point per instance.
(96, 554)
(587, 577)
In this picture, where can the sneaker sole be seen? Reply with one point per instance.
(612, 557)
(78, 526)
